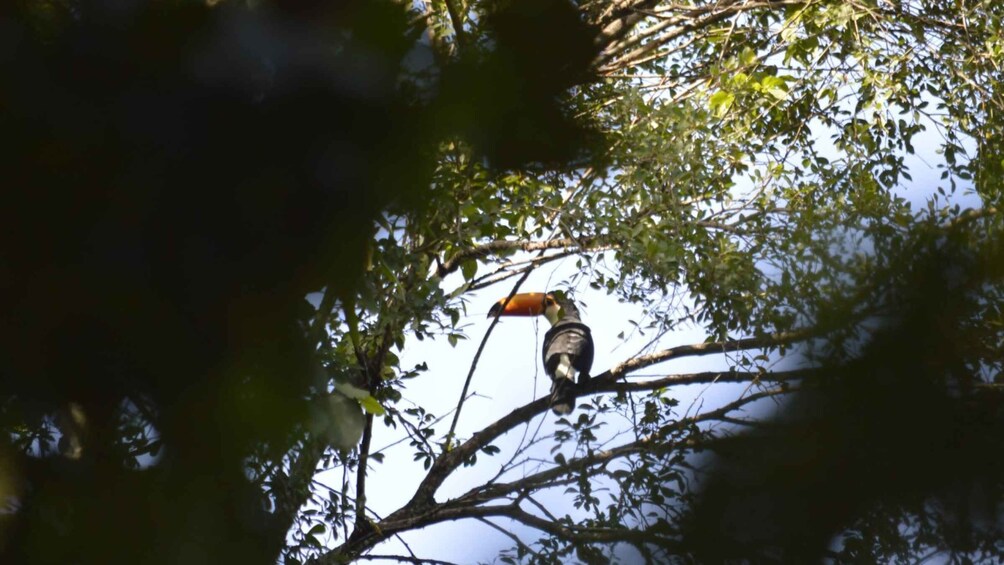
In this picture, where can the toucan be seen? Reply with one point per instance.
(568, 345)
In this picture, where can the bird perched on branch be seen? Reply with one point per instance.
(568, 345)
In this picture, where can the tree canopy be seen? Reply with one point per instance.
(231, 223)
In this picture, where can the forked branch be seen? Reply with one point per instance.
(423, 510)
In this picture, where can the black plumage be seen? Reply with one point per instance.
(567, 352)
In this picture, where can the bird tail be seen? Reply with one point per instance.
(562, 396)
(563, 387)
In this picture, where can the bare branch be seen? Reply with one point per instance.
(502, 273)
(970, 215)
(578, 534)
(449, 461)
(508, 534)
(477, 356)
(621, 17)
(655, 442)
(701, 378)
(485, 249)
(364, 451)
(615, 58)
(406, 559)
(423, 511)
(709, 348)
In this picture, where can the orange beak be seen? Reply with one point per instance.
(522, 304)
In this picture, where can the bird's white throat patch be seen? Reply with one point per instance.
(552, 311)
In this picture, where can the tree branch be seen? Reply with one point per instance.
(416, 514)
(700, 378)
(708, 348)
(324, 309)
(622, 18)
(422, 509)
(485, 249)
(501, 273)
(477, 356)
(364, 451)
(373, 368)
(508, 534)
(292, 490)
(654, 442)
(586, 535)
(694, 19)
(406, 559)
(456, 19)
(448, 462)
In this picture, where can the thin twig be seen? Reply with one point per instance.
(406, 559)
(485, 249)
(364, 449)
(508, 534)
(474, 364)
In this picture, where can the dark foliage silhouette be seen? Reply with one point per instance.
(177, 178)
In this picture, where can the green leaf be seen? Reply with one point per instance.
(351, 391)
(338, 419)
(720, 102)
(748, 56)
(469, 269)
(371, 406)
(775, 86)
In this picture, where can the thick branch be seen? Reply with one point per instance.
(291, 491)
(406, 559)
(373, 367)
(700, 378)
(447, 463)
(652, 443)
(364, 452)
(622, 17)
(481, 251)
(694, 19)
(469, 505)
(422, 509)
(457, 20)
(586, 535)
(391, 526)
(709, 348)
(970, 215)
